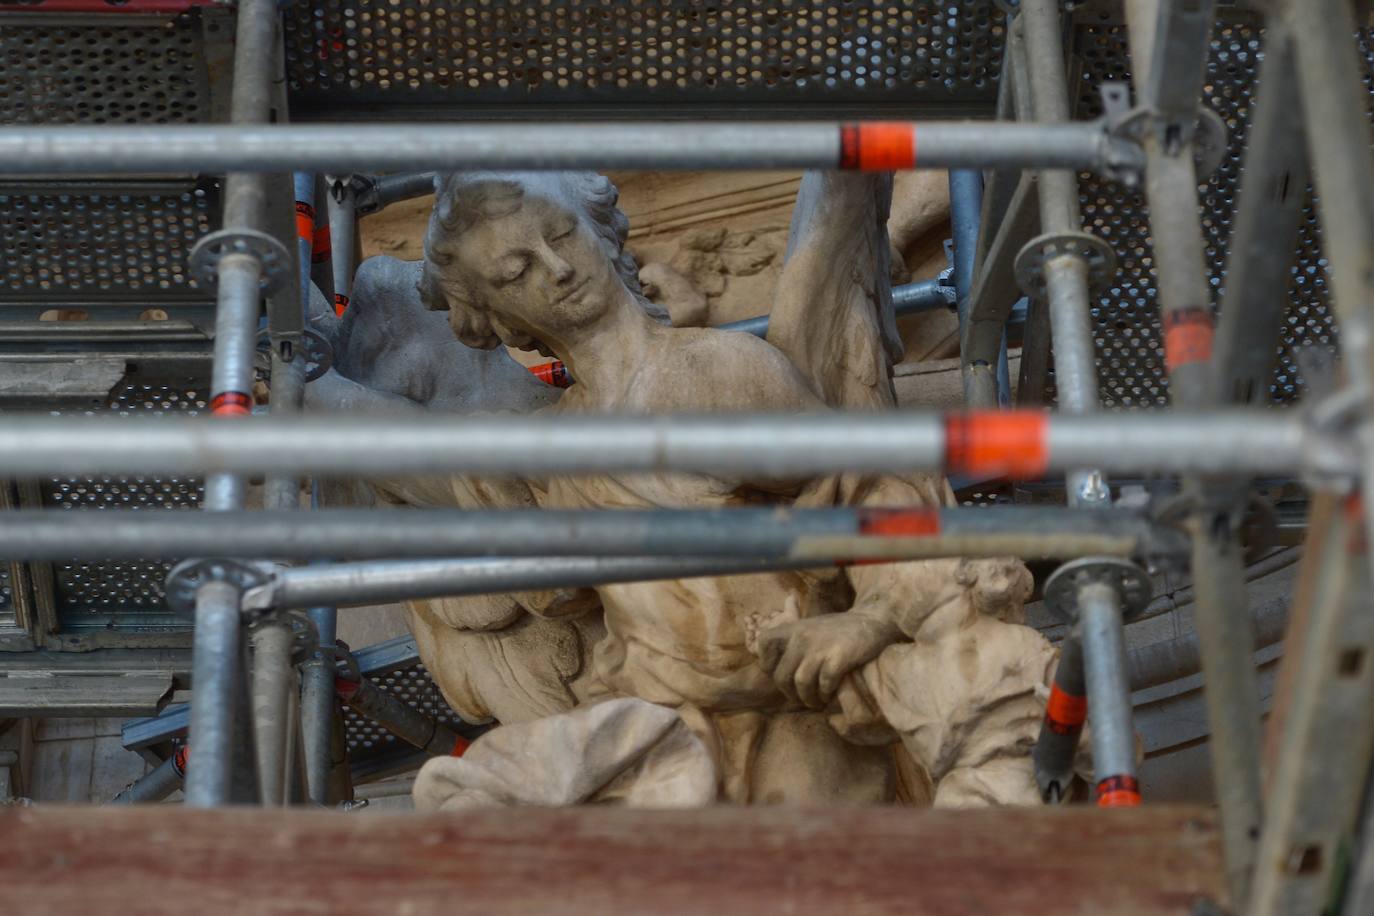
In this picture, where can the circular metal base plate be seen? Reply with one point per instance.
(189, 575)
(1132, 585)
(318, 353)
(1030, 260)
(213, 248)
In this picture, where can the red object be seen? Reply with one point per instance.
(101, 6)
(899, 523)
(554, 373)
(340, 304)
(1187, 337)
(345, 688)
(1353, 507)
(997, 443)
(460, 747)
(305, 222)
(1065, 713)
(231, 403)
(878, 146)
(320, 247)
(181, 758)
(1118, 792)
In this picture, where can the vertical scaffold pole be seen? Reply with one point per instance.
(217, 655)
(1056, 266)
(1169, 42)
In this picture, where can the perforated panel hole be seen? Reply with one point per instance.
(1131, 370)
(126, 73)
(101, 242)
(135, 586)
(545, 48)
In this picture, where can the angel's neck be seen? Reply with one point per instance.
(602, 355)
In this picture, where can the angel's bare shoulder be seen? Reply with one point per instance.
(707, 369)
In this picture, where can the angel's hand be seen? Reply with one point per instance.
(809, 658)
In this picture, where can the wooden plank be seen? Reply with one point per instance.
(30, 693)
(596, 860)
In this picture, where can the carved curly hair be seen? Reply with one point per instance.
(466, 198)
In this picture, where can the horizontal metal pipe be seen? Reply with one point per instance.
(388, 581)
(345, 149)
(382, 191)
(907, 299)
(819, 536)
(1020, 444)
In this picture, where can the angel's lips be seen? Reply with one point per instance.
(572, 293)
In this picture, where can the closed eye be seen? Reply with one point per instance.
(512, 269)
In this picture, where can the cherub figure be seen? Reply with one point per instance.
(535, 261)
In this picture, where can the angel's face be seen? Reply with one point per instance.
(539, 268)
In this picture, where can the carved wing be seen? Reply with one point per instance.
(833, 311)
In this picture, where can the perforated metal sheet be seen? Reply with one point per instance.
(368, 740)
(124, 594)
(343, 53)
(1126, 318)
(102, 69)
(88, 244)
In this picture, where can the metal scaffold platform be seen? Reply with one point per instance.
(1168, 205)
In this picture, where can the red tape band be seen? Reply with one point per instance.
(181, 758)
(340, 304)
(320, 247)
(554, 373)
(1065, 713)
(231, 403)
(878, 146)
(1118, 792)
(898, 523)
(305, 222)
(460, 747)
(1187, 337)
(997, 443)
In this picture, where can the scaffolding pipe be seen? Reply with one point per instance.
(1020, 444)
(1065, 712)
(217, 671)
(389, 581)
(317, 706)
(907, 299)
(1109, 713)
(343, 224)
(351, 148)
(273, 684)
(817, 535)
(1066, 274)
(158, 783)
(217, 653)
(381, 191)
(401, 719)
(1169, 41)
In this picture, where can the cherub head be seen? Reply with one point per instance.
(528, 259)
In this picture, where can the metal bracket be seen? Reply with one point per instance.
(314, 346)
(1031, 259)
(1133, 123)
(272, 256)
(188, 576)
(1131, 583)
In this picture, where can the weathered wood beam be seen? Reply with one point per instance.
(164, 859)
